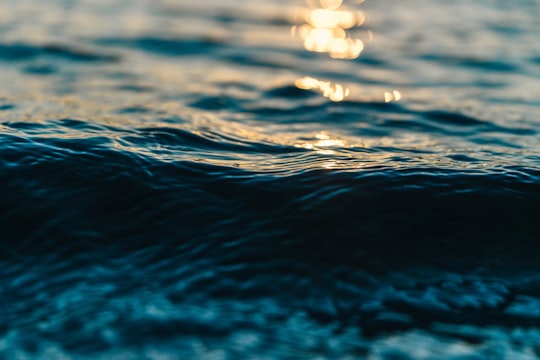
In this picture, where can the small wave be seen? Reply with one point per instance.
(164, 46)
(483, 64)
(23, 51)
(424, 204)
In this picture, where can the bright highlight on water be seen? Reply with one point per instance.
(327, 29)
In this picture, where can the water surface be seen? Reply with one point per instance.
(218, 179)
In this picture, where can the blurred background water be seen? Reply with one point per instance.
(278, 179)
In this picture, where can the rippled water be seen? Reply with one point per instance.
(221, 180)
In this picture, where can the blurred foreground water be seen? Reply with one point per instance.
(226, 180)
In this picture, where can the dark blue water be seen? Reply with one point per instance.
(191, 181)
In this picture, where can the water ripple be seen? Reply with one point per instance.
(21, 52)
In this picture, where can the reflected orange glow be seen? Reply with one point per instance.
(323, 144)
(334, 92)
(392, 96)
(330, 19)
(329, 165)
(326, 141)
(331, 4)
(325, 30)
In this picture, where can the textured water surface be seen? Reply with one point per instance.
(188, 180)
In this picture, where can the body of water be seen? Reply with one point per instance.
(264, 180)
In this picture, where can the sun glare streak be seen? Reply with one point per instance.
(323, 144)
(329, 19)
(325, 30)
(327, 26)
(334, 92)
(331, 4)
(392, 96)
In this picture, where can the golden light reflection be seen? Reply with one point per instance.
(330, 165)
(323, 144)
(331, 4)
(328, 27)
(392, 96)
(325, 30)
(330, 19)
(334, 92)
(326, 141)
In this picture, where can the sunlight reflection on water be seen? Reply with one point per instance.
(325, 30)
(327, 27)
(335, 92)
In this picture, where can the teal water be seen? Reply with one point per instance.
(225, 180)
